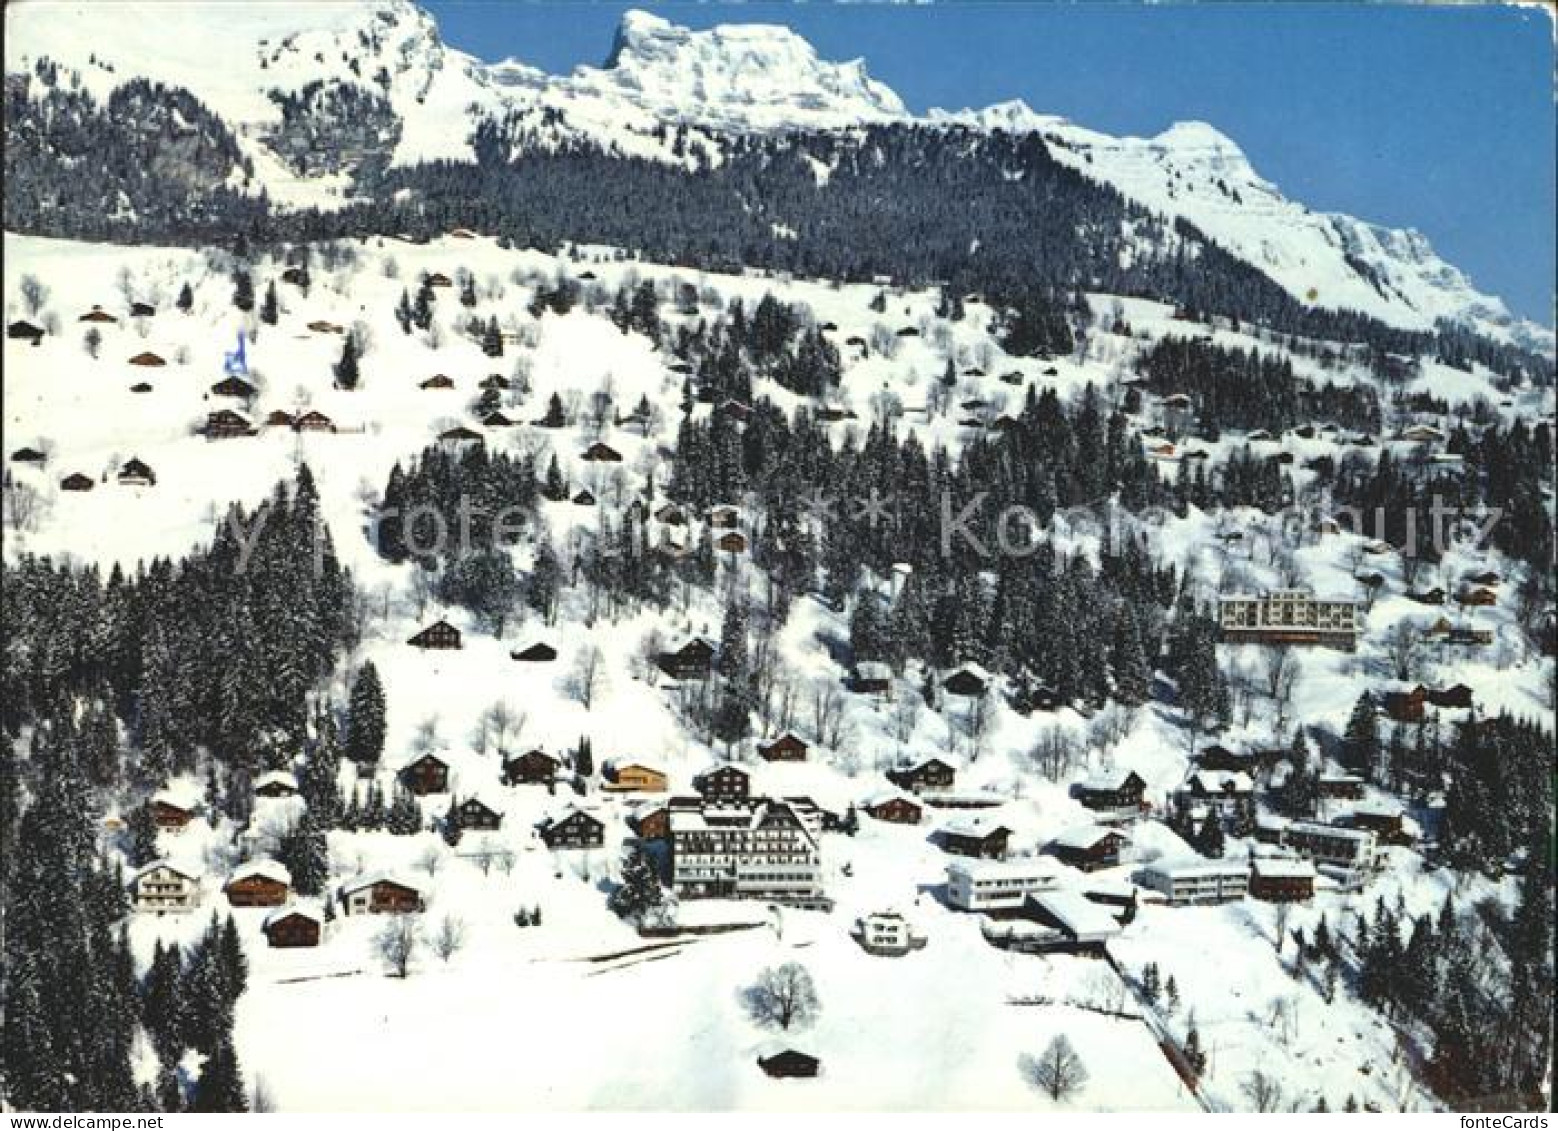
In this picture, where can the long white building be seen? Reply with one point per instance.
(993, 885)
(766, 850)
(1206, 881)
(1289, 616)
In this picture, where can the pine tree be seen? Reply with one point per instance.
(492, 339)
(220, 1087)
(639, 898)
(243, 291)
(269, 311)
(1361, 743)
(365, 727)
(346, 374)
(186, 299)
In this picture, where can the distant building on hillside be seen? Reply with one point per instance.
(766, 849)
(1289, 616)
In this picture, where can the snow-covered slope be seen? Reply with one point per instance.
(732, 78)
(1193, 170)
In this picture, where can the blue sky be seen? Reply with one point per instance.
(1434, 118)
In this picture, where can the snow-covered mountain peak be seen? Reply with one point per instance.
(747, 76)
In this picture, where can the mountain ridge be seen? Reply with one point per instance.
(721, 83)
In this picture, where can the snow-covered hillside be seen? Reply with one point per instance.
(882, 1018)
(730, 79)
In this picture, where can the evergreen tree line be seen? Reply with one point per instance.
(987, 212)
(217, 651)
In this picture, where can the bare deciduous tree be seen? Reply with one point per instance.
(1263, 1091)
(783, 997)
(397, 943)
(588, 678)
(448, 938)
(1057, 1071)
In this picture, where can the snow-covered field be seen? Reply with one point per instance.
(544, 1017)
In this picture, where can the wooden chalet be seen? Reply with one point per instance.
(871, 677)
(894, 808)
(975, 835)
(76, 481)
(1089, 847)
(276, 783)
(575, 829)
(459, 436)
(97, 314)
(634, 777)
(142, 310)
(724, 517)
(475, 814)
(147, 358)
(1405, 706)
(313, 421)
(426, 774)
(731, 542)
(439, 635)
(538, 653)
(789, 1065)
(929, 774)
(786, 748)
(970, 680)
(134, 473)
(534, 767)
(163, 886)
(1434, 596)
(1121, 790)
(171, 814)
(693, 660)
(320, 326)
(494, 381)
(584, 499)
(259, 883)
(28, 455)
(601, 453)
(1280, 880)
(24, 332)
(225, 424)
(290, 927)
(380, 894)
(438, 280)
(295, 276)
(497, 420)
(1477, 596)
(141, 387)
(233, 387)
(723, 784)
(653, 823)
(280, 418)
(438, 381)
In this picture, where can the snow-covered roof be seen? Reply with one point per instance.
(973, 825)
(1186, 869)
(307, 909)
(1112, 780)
(1085, 836)
(873, 669)
(1282, 868)
(1315, 828)
(276, 777)
(264, 868)
(974, 669)
(180, 795)
(1078, 914)
(883, 796)
(369, 879)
